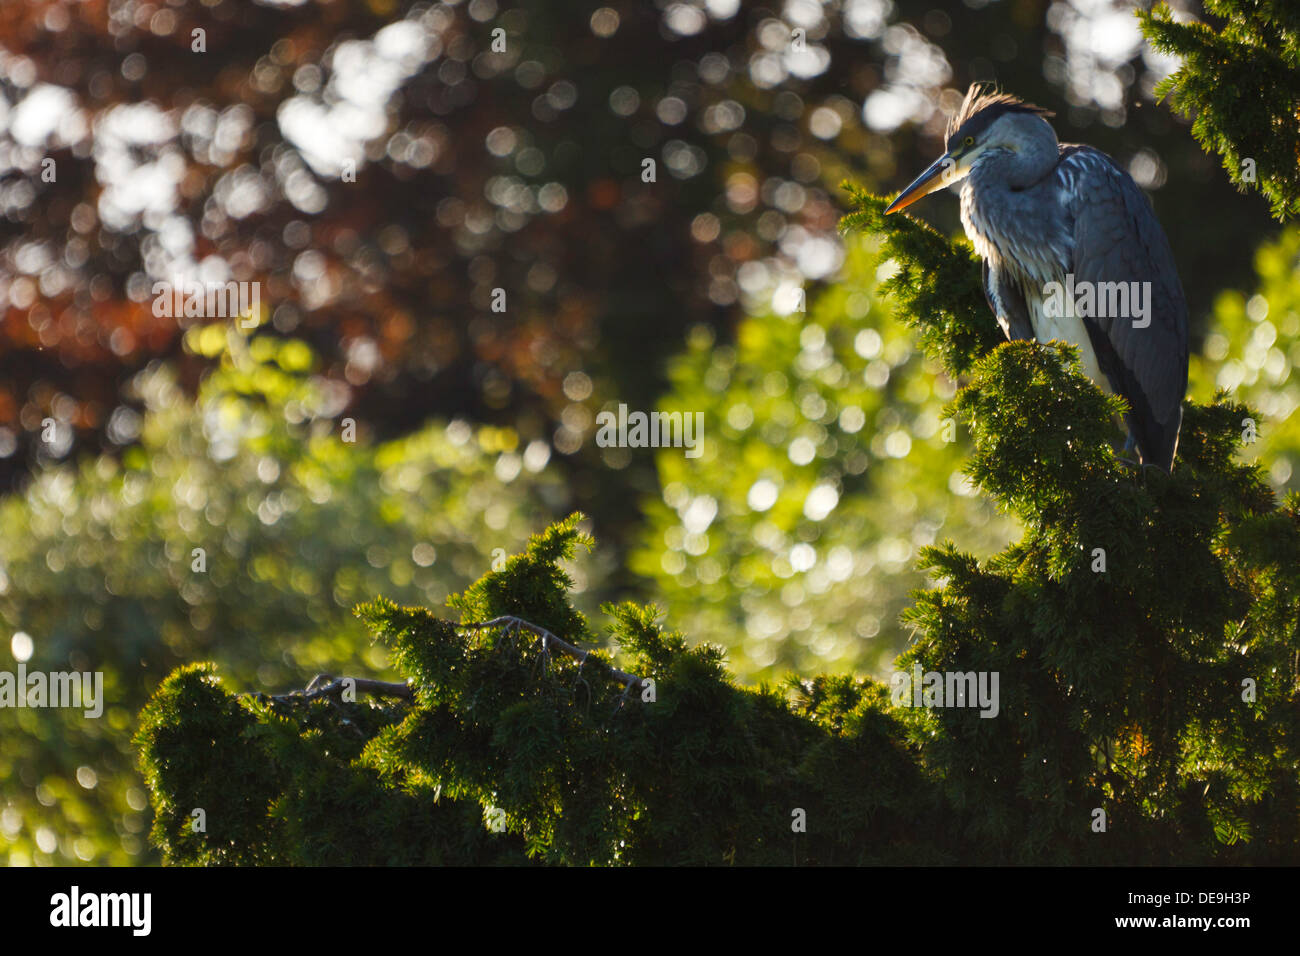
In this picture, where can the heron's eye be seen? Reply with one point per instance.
(969, 141)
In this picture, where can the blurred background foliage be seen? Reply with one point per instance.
(831, 463)
(1253, 350)
(380, 170)
(242, 526)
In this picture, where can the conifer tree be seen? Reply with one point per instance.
(1142, 635)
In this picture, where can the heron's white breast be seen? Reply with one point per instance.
(1034, 265)
(1067, 328)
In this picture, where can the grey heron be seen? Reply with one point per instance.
(1072, 251)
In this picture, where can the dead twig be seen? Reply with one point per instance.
(549, 640)
(328, 686)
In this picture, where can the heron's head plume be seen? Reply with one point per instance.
(988, 123)
(982, 107)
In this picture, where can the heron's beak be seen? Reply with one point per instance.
(943, 172)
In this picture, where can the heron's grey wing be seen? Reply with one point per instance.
(1117, 238)
(1008, 304)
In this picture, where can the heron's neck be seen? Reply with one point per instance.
(1011, 208)
(1034, 157)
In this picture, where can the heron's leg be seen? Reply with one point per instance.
(1125, 455)
(1128, 454)
(1130, 448)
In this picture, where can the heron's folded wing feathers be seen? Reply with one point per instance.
(1117, 238)
(1008, 304)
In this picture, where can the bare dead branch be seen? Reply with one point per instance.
(326, 685)
(549, 639)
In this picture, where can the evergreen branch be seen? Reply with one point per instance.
(548, 638)
(938, 289)
(1239, 82)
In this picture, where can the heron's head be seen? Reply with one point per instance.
(987, 124)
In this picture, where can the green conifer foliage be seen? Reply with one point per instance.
(1121, 692)
(1241, 83)
(557, 753)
